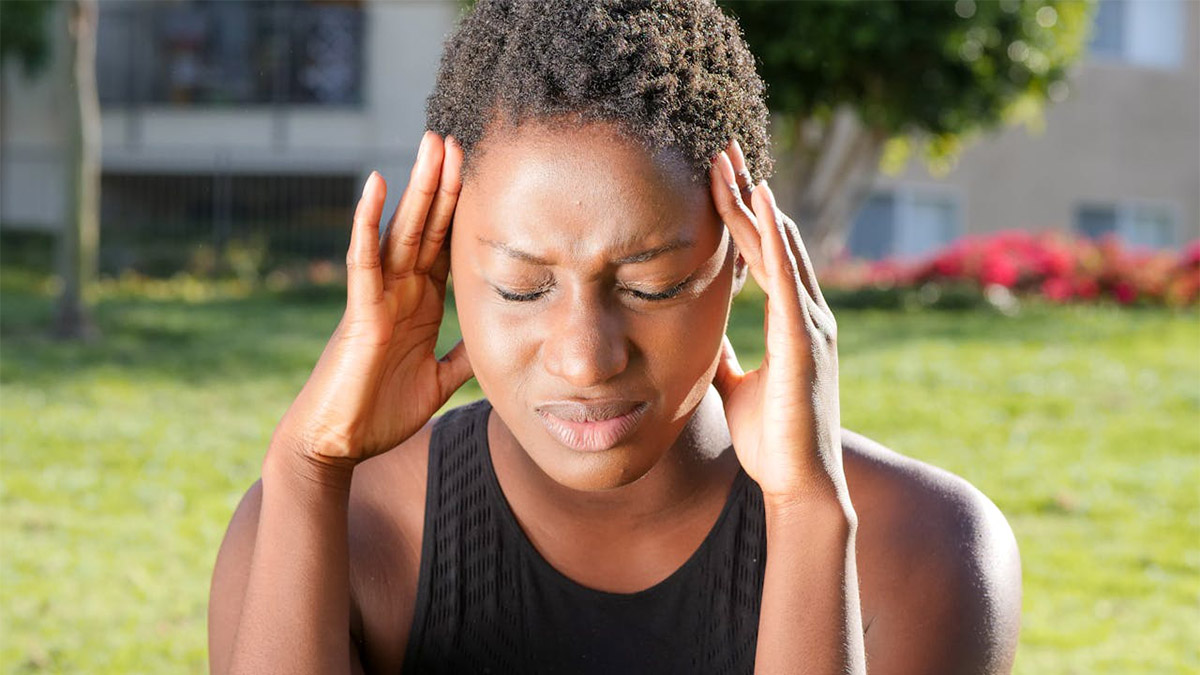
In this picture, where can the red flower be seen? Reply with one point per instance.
(1191, 255)
(1057, 289)
(998, 269)
(949, 265)
(1124, 292)
(1086, 289)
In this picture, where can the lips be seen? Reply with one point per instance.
(591, 425)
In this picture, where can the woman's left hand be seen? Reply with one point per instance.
(783, 417)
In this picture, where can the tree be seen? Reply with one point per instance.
(25, 34)
(851, 83)
(79, 244)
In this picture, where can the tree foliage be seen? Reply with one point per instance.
(24, 34)
(942, 68)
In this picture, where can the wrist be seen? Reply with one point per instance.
(291, 464)
(832, 512)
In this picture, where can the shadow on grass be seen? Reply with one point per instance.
(225, 339)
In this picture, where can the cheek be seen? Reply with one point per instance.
(681, 352)
(499, 346)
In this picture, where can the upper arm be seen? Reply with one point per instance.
(231, 573)
(956, 606)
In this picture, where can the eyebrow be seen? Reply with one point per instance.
(641, 256)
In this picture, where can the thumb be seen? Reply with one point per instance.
(729, 371)
(454, 369)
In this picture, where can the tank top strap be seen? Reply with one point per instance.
(466, 615)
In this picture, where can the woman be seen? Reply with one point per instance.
(626, 498)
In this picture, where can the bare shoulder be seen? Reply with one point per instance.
(939, 567)
(386, 524)
(386, 528)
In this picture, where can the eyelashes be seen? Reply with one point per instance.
(640, 295)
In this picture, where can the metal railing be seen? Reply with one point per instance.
(162, 222)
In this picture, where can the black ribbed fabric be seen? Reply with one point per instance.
(487, 602)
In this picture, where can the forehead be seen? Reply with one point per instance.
(581, 186)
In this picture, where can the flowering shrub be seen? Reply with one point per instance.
(1017, 263)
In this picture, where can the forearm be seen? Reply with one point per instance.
(295, 616)
(810, 620)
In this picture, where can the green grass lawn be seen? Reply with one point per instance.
(123, 460)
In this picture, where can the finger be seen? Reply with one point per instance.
(729, 371)
(440, 270)
(786, 292)
(454, 369)
(745, 181)
(808, 274)
(737, 217)
(817, 311)
(403, 239)
(364, 285)
(441, 214)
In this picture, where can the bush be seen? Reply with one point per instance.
(1001, 267)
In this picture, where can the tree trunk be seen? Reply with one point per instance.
(78, 243)
(824, 173)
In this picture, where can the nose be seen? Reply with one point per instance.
(586, 343)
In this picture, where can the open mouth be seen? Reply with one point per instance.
(591, 427)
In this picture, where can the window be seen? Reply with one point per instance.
(1143, 225)
(212, 52)
(906, 222)
(1142, 33)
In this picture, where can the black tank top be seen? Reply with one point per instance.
(488, 602)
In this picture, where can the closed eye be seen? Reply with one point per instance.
(513, 296)
(662, 295)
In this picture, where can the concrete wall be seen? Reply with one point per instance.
(1125, 133)
(33, 177)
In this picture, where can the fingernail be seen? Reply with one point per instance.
(767, 191)
(727, 169)
(737, 147)
(367, 184)
(424, 148)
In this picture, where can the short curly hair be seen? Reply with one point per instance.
(670, 74)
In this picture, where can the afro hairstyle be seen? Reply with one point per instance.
(669, 74)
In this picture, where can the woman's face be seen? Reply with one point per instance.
(593, 283)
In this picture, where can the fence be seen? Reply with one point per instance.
(161, 222)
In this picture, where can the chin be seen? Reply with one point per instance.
(595, 471)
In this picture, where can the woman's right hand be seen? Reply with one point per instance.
(378, 382)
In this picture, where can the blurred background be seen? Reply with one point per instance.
(1003, 199)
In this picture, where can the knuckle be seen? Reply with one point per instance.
(735, 192)
(410, 238)
(353, 262)
(423, 190)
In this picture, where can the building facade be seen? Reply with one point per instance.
(223, 120)
(1120, 155)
